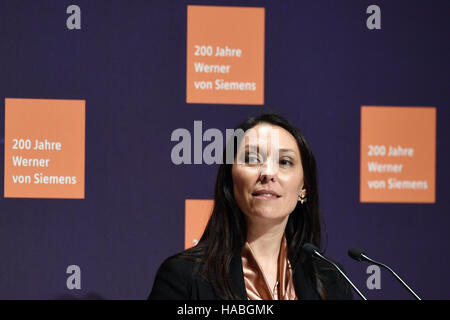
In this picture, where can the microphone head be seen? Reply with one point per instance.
(356, 253)
(310, 249)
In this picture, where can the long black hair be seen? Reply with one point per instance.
(226, 231)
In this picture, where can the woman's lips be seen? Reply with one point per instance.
(265, 194)
(265, 197)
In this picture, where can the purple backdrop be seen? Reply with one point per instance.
(128, 62)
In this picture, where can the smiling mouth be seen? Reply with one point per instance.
(265, 196)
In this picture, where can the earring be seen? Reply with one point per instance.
(302, 198)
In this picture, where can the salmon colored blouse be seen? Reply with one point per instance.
(256, 283)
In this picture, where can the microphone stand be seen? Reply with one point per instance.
(341, 272)
(391, 271)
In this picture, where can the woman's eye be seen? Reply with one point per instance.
(251, 159)
(285, 162)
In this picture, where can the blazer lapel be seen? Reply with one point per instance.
(305, 288)
(237, 277)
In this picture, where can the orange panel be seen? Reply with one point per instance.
(196, 217)
(225, 55)
(44, 148)
(398, 154)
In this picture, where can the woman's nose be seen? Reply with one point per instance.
(268, 171)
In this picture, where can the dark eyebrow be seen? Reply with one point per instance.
(286, 150)
(253, 147)
(257, 148)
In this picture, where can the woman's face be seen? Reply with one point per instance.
(268, 173)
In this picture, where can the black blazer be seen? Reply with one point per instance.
(180, 279)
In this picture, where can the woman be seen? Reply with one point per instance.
(266, 207)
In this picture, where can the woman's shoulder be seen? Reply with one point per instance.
(335, 284)
(180, 264)
(174, 277)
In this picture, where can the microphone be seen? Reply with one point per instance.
(359, 255)
(313, 251)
